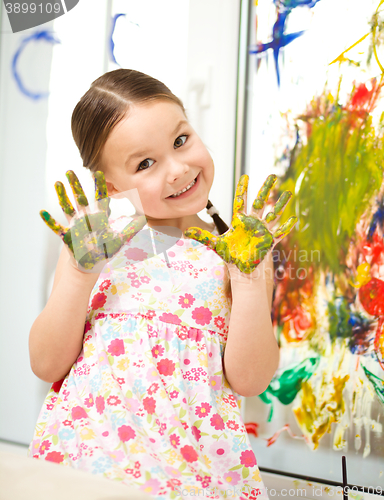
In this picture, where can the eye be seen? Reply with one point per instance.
(145, 164)
(180, 141)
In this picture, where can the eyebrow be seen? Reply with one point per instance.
(140, 154)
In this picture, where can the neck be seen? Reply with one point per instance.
(183, 223)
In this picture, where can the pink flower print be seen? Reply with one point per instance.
(186, 301)
(50, 407)
(132, 276)
(126, 433)
(105, 285)
(217, 422)
(174, 394)
(153, 388)
(217, 272)
(45, 445)
(195, 334)
(220, 449)
(231, 477)
(157, 350)
(215, 382)
(181, 332)
(248, 459)
(172, 471)
(152, 374)
(152, 486)
(189, 453)
(116, 455)
(219, 322)
(151, 314)
(203, 410)
(67, 423)
(54, 428)
(170, 318)
(133, 404)
(149, 405)
(202, 315)
(100, 404)
(196, 432)
(87, 327)
(99, 299)
(55, 456)
(175, 440)
(145, 279)
(116, 347)
(136, 283)
(78, 413)
(166, 367)
(136, 254)
(113, 401)
(89, 402)
(231, 424)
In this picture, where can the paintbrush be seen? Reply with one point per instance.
(345, 481)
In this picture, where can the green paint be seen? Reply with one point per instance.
(74, 182)
(90, 238)
(101, 190)
(334, 176)
(286, 387)
(64, 201)
(264, 192)
(378, 383)
(249, 240)
(279, 207)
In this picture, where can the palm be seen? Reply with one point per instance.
(249, 238)
(89, 237)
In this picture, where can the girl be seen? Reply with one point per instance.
(148, 390)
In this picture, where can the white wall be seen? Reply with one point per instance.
(36, 147)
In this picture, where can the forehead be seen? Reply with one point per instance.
(150, 118)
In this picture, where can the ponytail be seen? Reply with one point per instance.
(219, 223)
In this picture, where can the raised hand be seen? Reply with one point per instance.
(89, 236)
(249, 238)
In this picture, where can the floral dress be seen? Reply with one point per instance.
(146, 402)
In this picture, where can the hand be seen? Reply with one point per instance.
(249, 238)
(89, 236)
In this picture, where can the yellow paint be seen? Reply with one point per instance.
(363, 275)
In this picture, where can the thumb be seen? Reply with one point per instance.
(202, 236)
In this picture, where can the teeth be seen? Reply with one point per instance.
(183, 190)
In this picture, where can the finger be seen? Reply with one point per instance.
(101, 190)
(284, 229)
(52, 224)
(240, 201)
(109, 243)
(279, 207)
(202, 236)
(64, 201)
(264, 192)
(77, 190)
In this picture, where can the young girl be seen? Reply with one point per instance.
(148, 390)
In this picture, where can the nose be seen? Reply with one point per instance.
(176, 169)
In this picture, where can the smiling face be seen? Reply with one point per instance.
(155, 150)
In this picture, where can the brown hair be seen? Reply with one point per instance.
(106, 103)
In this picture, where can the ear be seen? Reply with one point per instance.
(113, 192)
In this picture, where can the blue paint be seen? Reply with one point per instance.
(377, 220)
(111, 42)
(39, 35)
(279, 38)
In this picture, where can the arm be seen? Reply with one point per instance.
(251, 355)
(56, 336)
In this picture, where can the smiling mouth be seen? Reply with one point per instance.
(184, 190)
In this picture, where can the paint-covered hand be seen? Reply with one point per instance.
(89, 236)
(250, 237)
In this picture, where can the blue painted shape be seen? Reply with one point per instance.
(39, 35)
(377, 220)
(279, 38)
(111, 42)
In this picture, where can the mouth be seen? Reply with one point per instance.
(185, 191)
